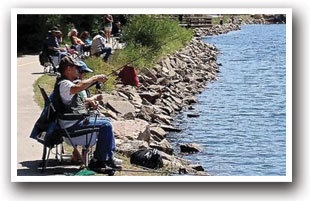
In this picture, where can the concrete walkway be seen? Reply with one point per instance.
(28, 150)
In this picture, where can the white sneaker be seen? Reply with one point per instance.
(117, 161)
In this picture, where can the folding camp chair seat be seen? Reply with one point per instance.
(73, 138)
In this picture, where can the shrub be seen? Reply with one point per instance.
(148, 38)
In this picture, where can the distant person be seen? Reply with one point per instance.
(108, 20)
(53, 47)
(76, 42)
(98, 46)
(180, 19)
(85, 37)
(116, 30)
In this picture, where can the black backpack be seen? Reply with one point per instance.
(149, 158)
(43, 57)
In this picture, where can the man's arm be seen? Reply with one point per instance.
(56, 48)
(84, 84)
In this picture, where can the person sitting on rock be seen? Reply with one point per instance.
(68, 99)
(98, 46)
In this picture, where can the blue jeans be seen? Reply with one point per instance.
(107, 51)
(105, 141)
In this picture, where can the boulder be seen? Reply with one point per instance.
(164, 146)
(130, 146)
(170, 128)
(108, 113)
(190, 100)
(197, 167)
(150, 74)
(129, 116)
(158, 131)
(193, 115)
(163, 118)
(150, 96)
(129, 129)
(122, 107)
(108, 97)
(145, 135)
(190, 148)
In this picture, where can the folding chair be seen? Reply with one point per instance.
(50, 140)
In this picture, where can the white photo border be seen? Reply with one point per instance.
(287, 11)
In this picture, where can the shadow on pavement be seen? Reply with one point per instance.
(41, 73)
(54, 167)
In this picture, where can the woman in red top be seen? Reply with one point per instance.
(76, 42)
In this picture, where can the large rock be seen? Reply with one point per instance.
(170, 128)
(163, 118)
(122, 107)
(108, 97)
(149, 73)
(190, 148)
(197, 167)
(193, 115)
(164, 146)
(150, 96)
(130, 146)
(129, 129)
(108, 113)
(159, 132)
(145, 135)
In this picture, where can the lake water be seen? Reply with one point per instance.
(242, 123)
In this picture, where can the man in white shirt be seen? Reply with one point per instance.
(68, 99)
(98, 46)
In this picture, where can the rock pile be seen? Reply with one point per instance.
(141, 117)
(217, 29)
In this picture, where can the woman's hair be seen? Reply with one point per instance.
(84, 35)
(72, 31)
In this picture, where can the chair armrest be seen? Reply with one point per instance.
(78, 132)
(71, 116)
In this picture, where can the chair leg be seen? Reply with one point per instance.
(48, 155)
(61, 152)
(56, 155)
(43, 158)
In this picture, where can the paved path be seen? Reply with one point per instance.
(28, 150)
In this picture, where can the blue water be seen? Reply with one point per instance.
(242, 123)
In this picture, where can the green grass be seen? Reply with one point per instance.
(147, 41)
(47, 82)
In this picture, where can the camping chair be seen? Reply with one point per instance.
(50, 140)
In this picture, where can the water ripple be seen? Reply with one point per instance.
(242, 123)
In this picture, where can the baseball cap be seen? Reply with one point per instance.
(68, 61)
(84, 67)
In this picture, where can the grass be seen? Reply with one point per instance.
(47, 82)
(147, 41)
(132, 169)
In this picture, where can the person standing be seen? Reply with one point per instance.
(108, 20)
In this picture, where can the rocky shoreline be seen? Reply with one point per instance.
(142, 117)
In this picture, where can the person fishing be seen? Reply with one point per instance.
(68, 99)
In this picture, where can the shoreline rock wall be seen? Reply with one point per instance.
(142, 117)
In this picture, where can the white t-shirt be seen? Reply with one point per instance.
(97, 44)
(66, 97)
